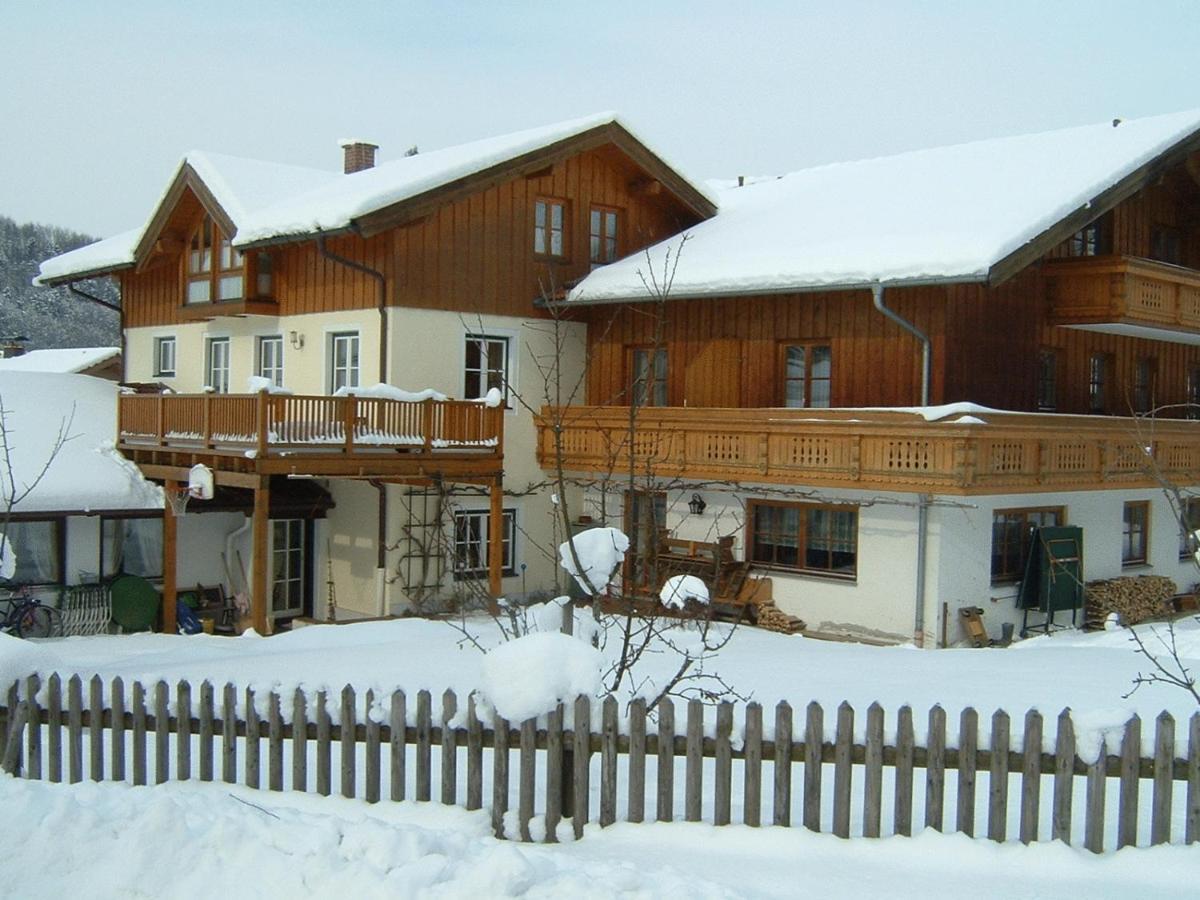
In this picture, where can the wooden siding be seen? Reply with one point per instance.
(474, 255)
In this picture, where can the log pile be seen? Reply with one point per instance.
(772, 618)
(1134, 599)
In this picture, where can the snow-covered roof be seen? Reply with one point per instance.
(949, 213)
(87, 474)
(66, 360)
(267, 201)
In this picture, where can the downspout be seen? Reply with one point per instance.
(118, 309)
(381, 527)
(923, 499)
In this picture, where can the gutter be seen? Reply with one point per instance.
(119, 310)
(381, 282)
(877, 289)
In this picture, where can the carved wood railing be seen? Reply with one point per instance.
(967, 451)
(1123, 289)
(269, 423)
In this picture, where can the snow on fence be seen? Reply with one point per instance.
(602, 777)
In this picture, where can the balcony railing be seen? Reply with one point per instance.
(967, 451)
(267, 424)
(1123, 290)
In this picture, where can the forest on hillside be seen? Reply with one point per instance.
(50, 317)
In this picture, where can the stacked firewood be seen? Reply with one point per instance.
(772, 618)
(1133, 599)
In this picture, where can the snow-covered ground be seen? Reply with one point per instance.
(189, 840)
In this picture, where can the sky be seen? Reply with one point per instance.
(99, 101)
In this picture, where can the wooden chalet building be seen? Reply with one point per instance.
(265, 299)
(876, 376)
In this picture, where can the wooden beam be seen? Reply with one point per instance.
(170, 561)
(180, 473)
(258, 577)
(495, 544)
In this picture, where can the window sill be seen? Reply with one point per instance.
(806, 573)
(1136, 564)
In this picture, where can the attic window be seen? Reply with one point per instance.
(1088, 241)
(602, 238)
(550, 228)
(204, 279)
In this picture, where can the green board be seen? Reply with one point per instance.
(135, 603)
(1053, 578)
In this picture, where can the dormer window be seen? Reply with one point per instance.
(1088, 241)
(226, 278)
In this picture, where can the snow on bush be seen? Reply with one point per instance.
(8, 559)
(682, 589)
(529, 676)
(600, 551)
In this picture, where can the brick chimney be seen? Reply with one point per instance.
(359, 155)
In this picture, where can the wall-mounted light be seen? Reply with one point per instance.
(696, 505)
(297, 340)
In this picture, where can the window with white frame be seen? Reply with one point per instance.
(471, 543)
(486, 366)
(132, 546)
(269, 359)
(216, 364)
(343, 360)
(164, 356)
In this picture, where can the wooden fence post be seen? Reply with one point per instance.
(665, 807)
(814, 740)
(637, 761)
(1164, 765)
(905, 740)
(324, 745)
(1192, 815)
(1127, 802)
(500, 732)
(935, 769)
(1093, 838)
(873, 772)
(554, 772)
(968, 761)
(474, 756)
(582, 756)
(1031, 777)
(842, 756)
(75, 729)
(752, 772)
(96, 728)
(372, 754)
(33, 744)
(424, 743)
(998, 778)
(347, 743)
(206, 730)
(274, 743)
(183, 737)
(528, 774)
(253, 731)
(449, 749)
(398, 725)
(54, 728)
(1064, 778)
(781, 764)
(694, 770)
(228, 733)
(162, 733)
(608, 762)
(299, 740)
(138, 701)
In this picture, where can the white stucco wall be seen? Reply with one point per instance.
(880, 602)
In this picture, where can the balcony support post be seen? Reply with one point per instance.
(258, 576)
(170, 560)
(495, 544)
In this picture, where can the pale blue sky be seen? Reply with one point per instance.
(98, 100)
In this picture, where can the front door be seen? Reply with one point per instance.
(289, 568)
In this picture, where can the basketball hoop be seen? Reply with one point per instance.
(177, 499)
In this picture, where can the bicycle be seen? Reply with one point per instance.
(28, 618)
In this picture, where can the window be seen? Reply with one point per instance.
(471, 543)
(1189, 515)
(1088, 241)
(803, 536)
(807, 375)
(602, 235)
(486, 366)
(131, 547)
(1144, 372)
(648, 376)
(287, 567)
(1047, 380)
(1099, 377)
(549, 228)
(204, 280)
(1193, 393)
(38, 545)
(264, 266)
(269, 364)
(216, 364)
(343, 361)
(1135, 534)
(1012, 538)
(164, 356)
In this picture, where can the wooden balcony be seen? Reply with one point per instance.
(272, 434)
(964, 452)
(253, 306)
(1124, 291)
